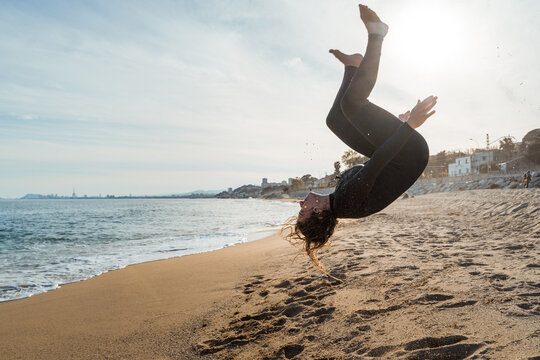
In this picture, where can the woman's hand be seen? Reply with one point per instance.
(405, 116)
(421, 112)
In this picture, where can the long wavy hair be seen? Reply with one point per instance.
(312, 234)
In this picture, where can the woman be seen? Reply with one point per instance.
(398, 154)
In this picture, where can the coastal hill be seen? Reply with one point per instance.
(243, 192)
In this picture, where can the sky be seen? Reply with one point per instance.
(161, 97)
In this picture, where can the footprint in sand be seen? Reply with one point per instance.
(457, 304)
(286, 284)
(443, 348)
(371, 313)
(431, 298)
(302, 308)
(321, 315)
(291, 351)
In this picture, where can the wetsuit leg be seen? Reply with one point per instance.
(341, 126)
(373, 122)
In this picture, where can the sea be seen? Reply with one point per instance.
(49, 242)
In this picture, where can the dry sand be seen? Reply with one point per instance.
(440, 276)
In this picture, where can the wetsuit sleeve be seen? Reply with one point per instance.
(384, 154)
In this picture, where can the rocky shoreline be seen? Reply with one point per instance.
(429, 186)
(421, 187)
(436, 185)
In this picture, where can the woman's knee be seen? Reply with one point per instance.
(421, 150)
(332, 120)
(415, 152)
(424, 148)
(352, 106)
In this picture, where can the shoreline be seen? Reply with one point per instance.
(250, 237)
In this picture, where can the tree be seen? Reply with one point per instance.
(296, 184)
(351, 158)
(506, 144)
(308, 180)
(533, 152)
(267, 190)
(532, 147)
(337, 168)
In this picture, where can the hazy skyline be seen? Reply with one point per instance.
(174, 96)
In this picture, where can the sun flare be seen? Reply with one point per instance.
(429, 36)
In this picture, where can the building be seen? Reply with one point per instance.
(327, 181)
(319, 183)
(265, 183)
(473, 163)
(480, 159)
(461, 167)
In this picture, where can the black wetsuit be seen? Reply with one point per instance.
(398, 154)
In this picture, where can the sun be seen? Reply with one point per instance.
(429, 35)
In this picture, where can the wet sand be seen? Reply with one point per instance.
(440, 276)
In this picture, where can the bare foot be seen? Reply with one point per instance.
(373, 23)
(347, 60)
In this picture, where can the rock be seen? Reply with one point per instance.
(513, 185)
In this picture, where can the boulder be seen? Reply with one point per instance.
(512, 185)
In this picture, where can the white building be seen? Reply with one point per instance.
(461, 167)
(470, 164)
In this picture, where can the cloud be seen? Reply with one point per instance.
(295, 63)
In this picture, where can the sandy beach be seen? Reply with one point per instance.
(440, 276)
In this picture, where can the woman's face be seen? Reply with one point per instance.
(307, 206)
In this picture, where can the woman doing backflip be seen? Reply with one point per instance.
(398, 154)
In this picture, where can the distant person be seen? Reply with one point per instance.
(527, 178)
(398, 154)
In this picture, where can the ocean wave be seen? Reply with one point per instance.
(50, 242)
